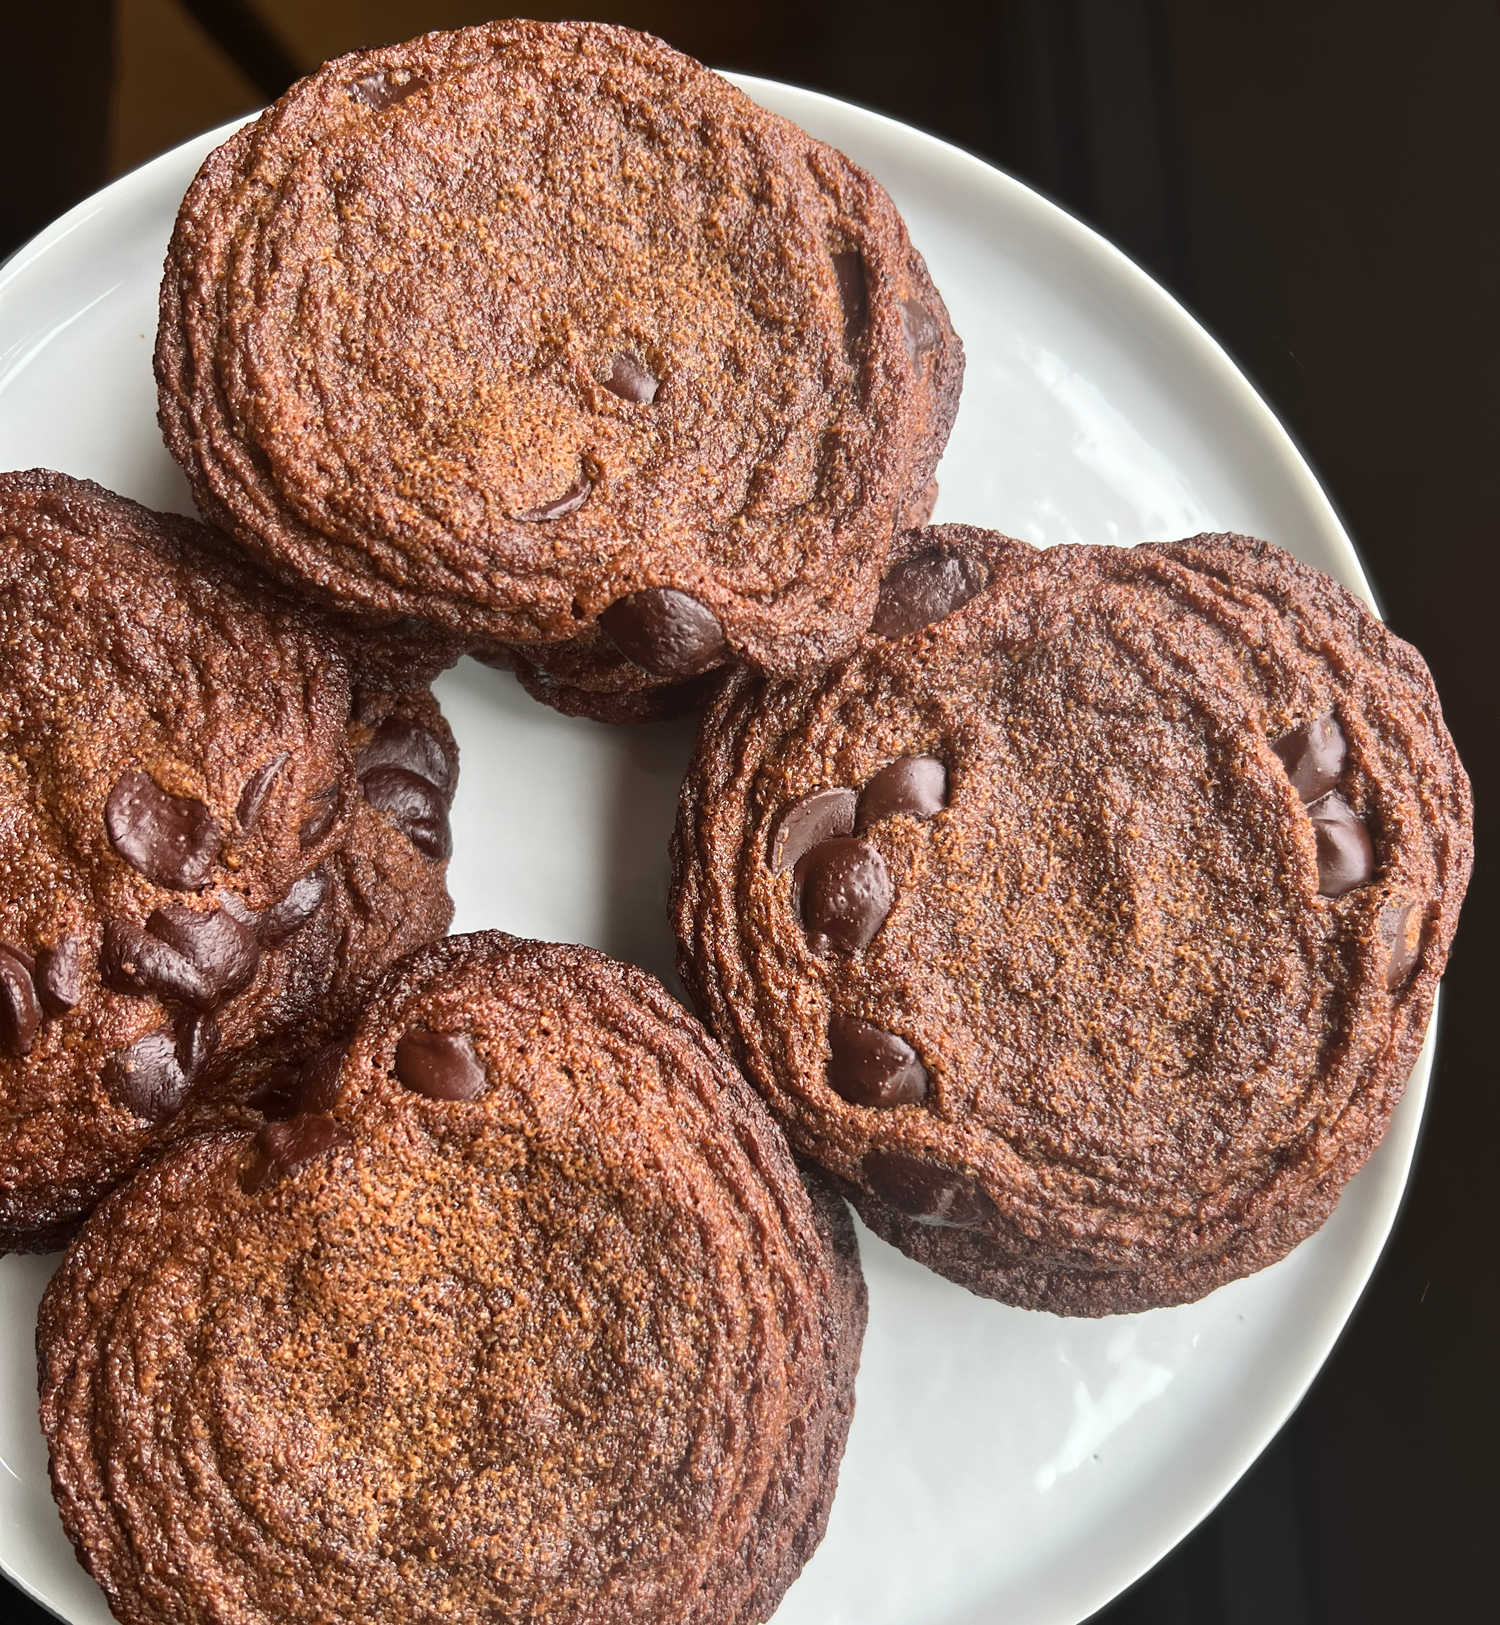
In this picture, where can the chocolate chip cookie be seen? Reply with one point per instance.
(527, 1316)
(204, 847)
(1085, 922)
(545, 334)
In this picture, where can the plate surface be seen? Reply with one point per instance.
(1002, 1465)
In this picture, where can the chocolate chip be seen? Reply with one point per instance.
(923, 589)
(140, 965)
(381, 90)
(172, 840)
(915, 785)
(569, 502)
(252, 800)
(59, 975)
(321, 1080)
(403, 744)
(285, 918)
(843, 890)
(849, 270)
(147, 1079)
(320, 820)
(871, 1067)
(442, 1066)
(20, 1014)
(1346, 857)
(413, 806)
(18, 953)
(1401, 928)
(222, 949)
(282, 1149)
(926, 1193)
(197, 1038)
(817, 816)
(919, 332)
(232, 903)
(1313, 756)
(664, 632)
(631, 381)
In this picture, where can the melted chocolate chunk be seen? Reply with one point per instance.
(871, 1067)
(843, 891)
(919, 332)
(321, 1078)
(1313, 756)
(320, 820)
(140, 965)
(816, 817)
(222, 949)
(18, 953)
(59, 976)
(664, 632)
(631, 381)
(1346, 856)
(20, 1013)
(915, 785)
(147, 1079)
(252, 802)
(382, 90)
(849, 269)
(442, 1066)
(413, 806)
(569, 502)
(286, 918)
(926, 1193)
(232, 903)
(923, 589)
(402, 744)
(197, 1038)
(280, 1150)
(172, 840)
(1401, 929)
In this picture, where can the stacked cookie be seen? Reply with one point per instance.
(1085, 923)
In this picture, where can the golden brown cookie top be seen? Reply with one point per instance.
(1095, 912)
(532, 1319)
(540, 326)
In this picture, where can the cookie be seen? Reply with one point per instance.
(1085, 924)
(385, 891)
(546, 335)
(527, 1316)
(199, 836)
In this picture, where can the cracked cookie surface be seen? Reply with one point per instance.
(561, 343)
(527, 1315)
(1087, 926)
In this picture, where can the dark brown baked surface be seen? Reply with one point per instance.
(1086, 933)
(191, 867)
(504, 328)
(528, 1316)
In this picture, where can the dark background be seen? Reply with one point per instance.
(1318, 181)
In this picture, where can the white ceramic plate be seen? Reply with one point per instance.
(1003, 1465)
